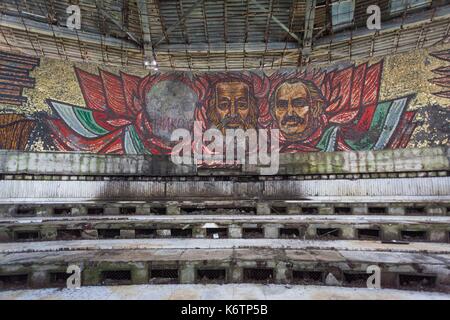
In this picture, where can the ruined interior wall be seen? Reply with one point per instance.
(400, 101)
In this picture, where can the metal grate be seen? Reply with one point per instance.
(211, 275)
(26, 235)
(27, 212)
(95, 211)
(245, 210)
(342, 210)
(116, 277)
(62, 211)
(289, 233)
(356, 279)
(68, 234)
(279, 210)
(415, 211)
(252, 233)
(222, 233)
(128, 210)
(310, 210)
(13, 281)
(145, 233)
(181, 233)
(416, 281)
(328, 232)
(258, 275)
(307, 277)
(377, 210)
(158, 211)
(163, 276)
(58, 279)
(189, 210)
(414, 235)
(108, 233)
(368, 234)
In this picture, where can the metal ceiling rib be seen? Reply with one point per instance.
(211, 34)
(212, 15)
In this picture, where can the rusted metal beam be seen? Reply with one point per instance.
(277, 21)
(124, 29)
(179, 22)
(309, 27)
(145, 25)
(41, 28)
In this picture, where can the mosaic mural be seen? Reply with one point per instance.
(443, 74)
(337, 108)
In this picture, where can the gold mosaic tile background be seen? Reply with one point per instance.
(402, 74)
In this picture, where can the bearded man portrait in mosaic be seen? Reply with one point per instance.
(233, 107)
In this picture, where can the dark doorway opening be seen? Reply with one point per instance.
(62, 211)
(356, 279)
(368, 234)
(68, 234)
(26, 235)
(159, 211)
(26, 212)
(222, 233)
(289, 233)
(307, 277)
(14, 281)
(189, 210)
(327, 233)
(95, 211)
(310, 210)
(108, 233)
(145, 233)
(415, 211)
(279, 210)
(128, 210)
(181, 233)
(417, 235)
(58, 279)
(342, 210)
(377, 210)
(252, 233)
(416, 281)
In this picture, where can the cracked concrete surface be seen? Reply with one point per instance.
(133, 244)
(220, 292)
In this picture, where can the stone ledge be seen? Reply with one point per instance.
(224, 291)
(14, 191)
(383, 161)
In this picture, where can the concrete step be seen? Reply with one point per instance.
(331, 227)
(418, 266)
(219, 292)
(132, 244)
(379, 162)
(362, 190)
(407, 205)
